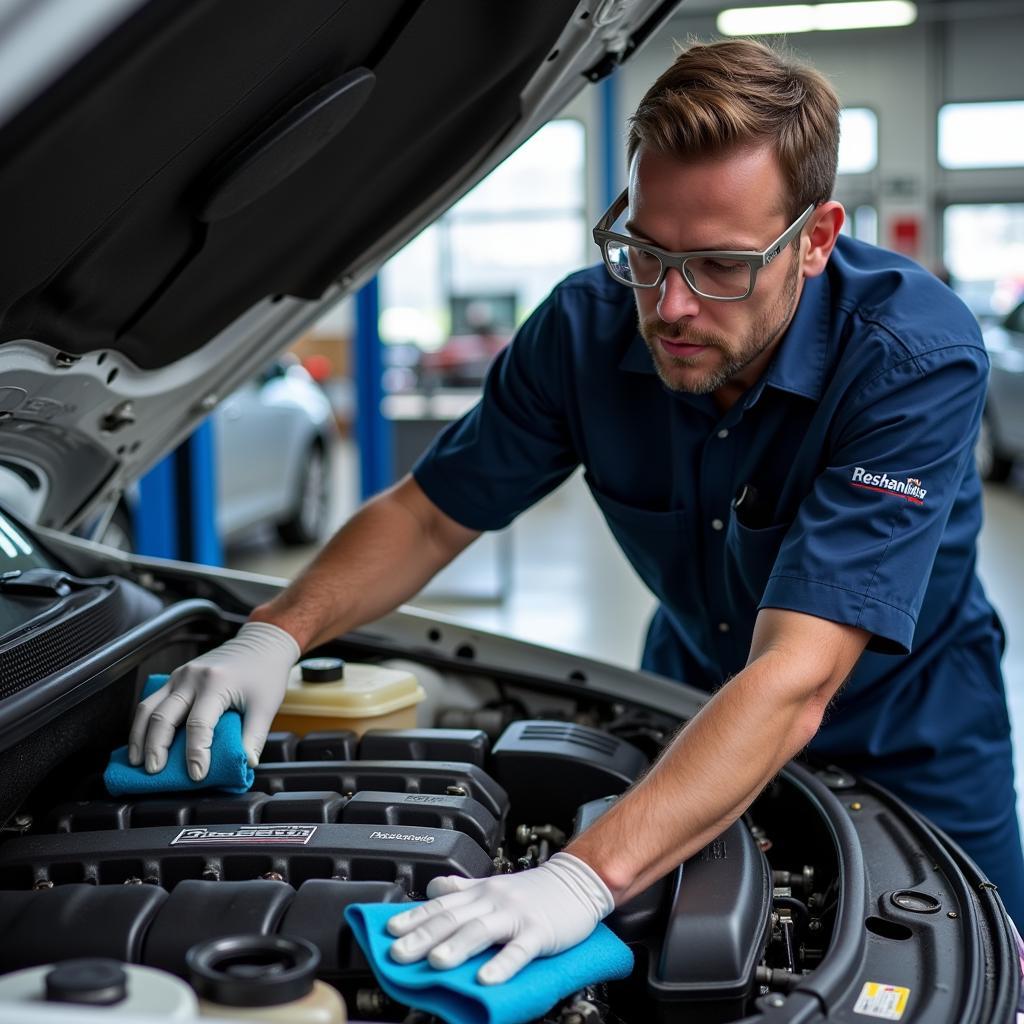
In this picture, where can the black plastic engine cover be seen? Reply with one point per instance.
(586, 763)
(413, 810)
(318, 914)
(717, 926)
(347, 777)
(168, 856)
(197, 910)
(470, 745)
(142, 924)
(430, 810)
(71, 921)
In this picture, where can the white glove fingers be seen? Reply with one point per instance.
(445, 884)
(256, 722)
(164, 720)
(402, 924)
(140, 723)
(473, 937)
(202, 719)
(509, 962)
(439, 928)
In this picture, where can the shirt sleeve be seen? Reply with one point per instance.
(514, 446)
(862, 546)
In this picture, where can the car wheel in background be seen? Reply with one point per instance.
(988, 457)
(311, 509)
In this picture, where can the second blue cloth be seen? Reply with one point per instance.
(229, 768)
(457, 997)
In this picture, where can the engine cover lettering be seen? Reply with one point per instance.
(405, 836)
(298, 835)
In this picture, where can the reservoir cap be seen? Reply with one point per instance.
(93, 981)
(322, 670)
(253, 970)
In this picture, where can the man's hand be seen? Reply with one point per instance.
(536, 913)
(248, 673)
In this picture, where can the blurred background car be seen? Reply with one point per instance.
(1001, 440)
(275, 443)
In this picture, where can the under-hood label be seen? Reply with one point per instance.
(291, 835)
(885, 1001)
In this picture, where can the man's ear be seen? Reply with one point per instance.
(819, 237)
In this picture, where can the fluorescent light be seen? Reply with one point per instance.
(785, 18)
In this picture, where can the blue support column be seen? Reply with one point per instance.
(373, 431)
(155, 521)
(176, 515)
(611, 140)
(197, 454)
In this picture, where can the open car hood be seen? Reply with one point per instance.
(185, 188)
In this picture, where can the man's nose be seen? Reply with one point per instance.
(675, 300)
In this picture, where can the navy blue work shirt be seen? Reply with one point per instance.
(856, 448)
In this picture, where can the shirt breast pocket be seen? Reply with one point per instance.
(750, 556)
(656, 543)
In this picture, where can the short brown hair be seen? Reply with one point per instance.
(740, 92)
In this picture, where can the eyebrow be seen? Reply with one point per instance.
(730, 245)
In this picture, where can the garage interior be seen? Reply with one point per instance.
(556, 577)
(503, 726)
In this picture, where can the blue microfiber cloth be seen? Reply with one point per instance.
(457, 997)
(229, 769)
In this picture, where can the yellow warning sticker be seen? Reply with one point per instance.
(885, 1001)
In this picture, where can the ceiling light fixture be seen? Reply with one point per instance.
(787, 18)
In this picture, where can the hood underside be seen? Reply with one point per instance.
(208, 159)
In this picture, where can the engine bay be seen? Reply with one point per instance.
(781, 914)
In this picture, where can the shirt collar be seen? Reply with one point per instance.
(801, 360)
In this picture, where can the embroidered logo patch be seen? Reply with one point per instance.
(910, 488)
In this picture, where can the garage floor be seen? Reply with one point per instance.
(557, 578)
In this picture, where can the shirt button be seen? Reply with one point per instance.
(723, 433)
(717, 524)
(723, 627)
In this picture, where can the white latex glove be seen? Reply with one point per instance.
(248, 673)
(538, 912)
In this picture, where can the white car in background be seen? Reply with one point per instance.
(1001, 439)
(275, 439)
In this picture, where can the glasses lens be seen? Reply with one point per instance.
(721, 279)
(632, 265)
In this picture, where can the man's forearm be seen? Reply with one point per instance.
(706, 778)
(381, 557)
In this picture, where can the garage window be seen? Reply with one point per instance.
(975, 135)
(858, 140)
(984, 253)
(508, 242)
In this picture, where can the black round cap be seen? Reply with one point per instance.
(93, 981)
(253, 970)
(322, 670)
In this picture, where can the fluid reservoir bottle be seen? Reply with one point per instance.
(262, 978)
(328, 694)
(119, 989)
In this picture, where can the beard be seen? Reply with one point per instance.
(736, 356)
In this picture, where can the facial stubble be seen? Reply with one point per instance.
(763, 333)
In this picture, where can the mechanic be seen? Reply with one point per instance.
(784, 450)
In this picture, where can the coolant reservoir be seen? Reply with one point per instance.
(327, 694)
(119, 989)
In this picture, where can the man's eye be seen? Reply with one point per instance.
(723, 266)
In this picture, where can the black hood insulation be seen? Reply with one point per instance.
(211, 154)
